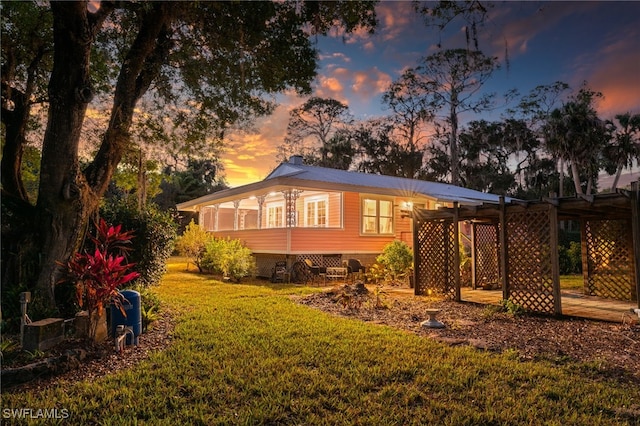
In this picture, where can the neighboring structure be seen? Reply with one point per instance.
(322, 214)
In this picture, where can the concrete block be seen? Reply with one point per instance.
(82, 325)
(43, 334)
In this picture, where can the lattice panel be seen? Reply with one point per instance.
(266, 262)
(435, 268)
(529, 253)
(610, 259)
(317, 259)
(486, 255)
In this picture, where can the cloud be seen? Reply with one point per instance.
(370, 82)
(613, 70)
(250, 155)
(394, 19)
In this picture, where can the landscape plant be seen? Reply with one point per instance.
(156, 232)
(397, 258)
(192, 244)
(98, 275)
(228, 257)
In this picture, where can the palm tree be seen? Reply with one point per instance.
(574, 133)
(625, 147)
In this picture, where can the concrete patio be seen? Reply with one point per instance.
(573, 304)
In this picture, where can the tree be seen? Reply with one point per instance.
(576, 134)
(217, 58)
(380, 153)
(24, 71)
(625, 147)
(485, 156)
(410, 109)
(534, 109)
(450, 81)
(443, 13)
(313, 128)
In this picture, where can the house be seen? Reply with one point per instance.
(326, 215)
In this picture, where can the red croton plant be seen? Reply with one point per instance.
(99, 274)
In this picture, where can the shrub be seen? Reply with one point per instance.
(228, 257)
(155, 232)
(98, 275)
(397, 259)
(192, 244)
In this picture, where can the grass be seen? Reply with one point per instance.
(248, 355)
(571, 282)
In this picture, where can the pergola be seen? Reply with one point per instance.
(515, 246)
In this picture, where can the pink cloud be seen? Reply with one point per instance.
(370, 82)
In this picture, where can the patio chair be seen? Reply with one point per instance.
(279, 273)
(316, 270)
(355, 268)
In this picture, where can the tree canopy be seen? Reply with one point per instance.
(206, 65)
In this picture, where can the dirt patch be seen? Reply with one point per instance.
(610, 350)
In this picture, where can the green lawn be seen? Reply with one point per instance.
(571, 282)
(247, 354)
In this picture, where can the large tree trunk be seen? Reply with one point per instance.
(576, 178)
(65, 202)
(15, 121)
(614, 185)
(68, 198)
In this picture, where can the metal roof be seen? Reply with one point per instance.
(294, 174)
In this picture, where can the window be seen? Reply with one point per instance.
(315, 211)
(275, 215)
(377, 216)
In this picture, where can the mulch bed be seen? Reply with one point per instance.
(98, 360)
(611, 350)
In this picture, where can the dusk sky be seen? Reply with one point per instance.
(596, 42)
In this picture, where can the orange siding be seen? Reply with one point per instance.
(347, 239)
(259, 240)
(335, 207)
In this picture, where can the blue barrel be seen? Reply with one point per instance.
(133, 318)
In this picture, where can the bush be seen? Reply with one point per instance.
(397, 259)
(154, 235)
(192, 244)
(229, 258)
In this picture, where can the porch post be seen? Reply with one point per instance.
(555, 259)
(260, 199)
(215, 208)
(236, 205)
(200, 211)
(456, 253)
(290, 198)
(474, 256)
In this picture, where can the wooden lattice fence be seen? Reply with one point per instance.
(530, 270)
(516, 244)
(435, 260)
(608, 259)
(484, 255)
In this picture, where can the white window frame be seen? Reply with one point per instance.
(272, 216)
(377, 216)
(315, 201)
